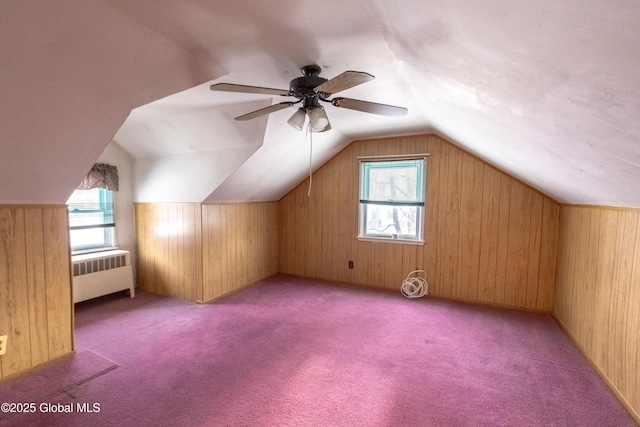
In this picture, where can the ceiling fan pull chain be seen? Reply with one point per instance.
(310, 133)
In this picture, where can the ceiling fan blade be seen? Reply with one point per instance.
(230, 87)
(263, 111)
(343, 81)
(369, 107)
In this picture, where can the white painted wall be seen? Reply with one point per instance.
(71, 73)
(546, 91)
(124, 213)
(186, 178)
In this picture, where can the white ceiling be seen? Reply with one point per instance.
(546, 90)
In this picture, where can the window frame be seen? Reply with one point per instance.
(363, 202)
(108, 225)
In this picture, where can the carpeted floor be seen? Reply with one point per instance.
(44, 383)
(295, 352)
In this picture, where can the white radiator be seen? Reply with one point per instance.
(101, 273)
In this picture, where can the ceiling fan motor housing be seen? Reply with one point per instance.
(303, 87)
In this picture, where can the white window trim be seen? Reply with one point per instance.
(391, 240)
(394, 240)
(109, 237)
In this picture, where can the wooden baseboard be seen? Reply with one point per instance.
(634, 414)
(430, 296)
(241, 288)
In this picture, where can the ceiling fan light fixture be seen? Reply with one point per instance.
(318, 119)
(326, 128)
(297, 119)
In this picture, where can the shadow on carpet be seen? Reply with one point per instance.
(46, 381)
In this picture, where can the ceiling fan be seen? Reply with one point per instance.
(310, 89)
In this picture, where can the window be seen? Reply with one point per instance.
(91, 221)
(392, 199)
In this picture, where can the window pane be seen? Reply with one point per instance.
(91, 237)
(384, 220)
(90, 207)
(399, 181)
(84, 199)
(92, 211)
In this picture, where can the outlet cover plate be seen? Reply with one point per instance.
(3, 344)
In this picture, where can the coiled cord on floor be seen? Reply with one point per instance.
(414, 286)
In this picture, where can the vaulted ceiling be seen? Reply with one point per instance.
(546, 91)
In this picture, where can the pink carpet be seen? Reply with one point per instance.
(294, 352)
(45, 382)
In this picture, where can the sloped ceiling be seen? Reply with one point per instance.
(547, 91)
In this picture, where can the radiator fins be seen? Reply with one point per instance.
(95, 265)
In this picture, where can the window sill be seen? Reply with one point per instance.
(390, 240)
(97, 255)
(94, 250)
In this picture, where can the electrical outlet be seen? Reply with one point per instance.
(350, 264)
(3, 344)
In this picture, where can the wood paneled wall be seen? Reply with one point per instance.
(240, 245)
(489, 238)
(169, 243)
(598, 292)
(35, 286)
(199, 252)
